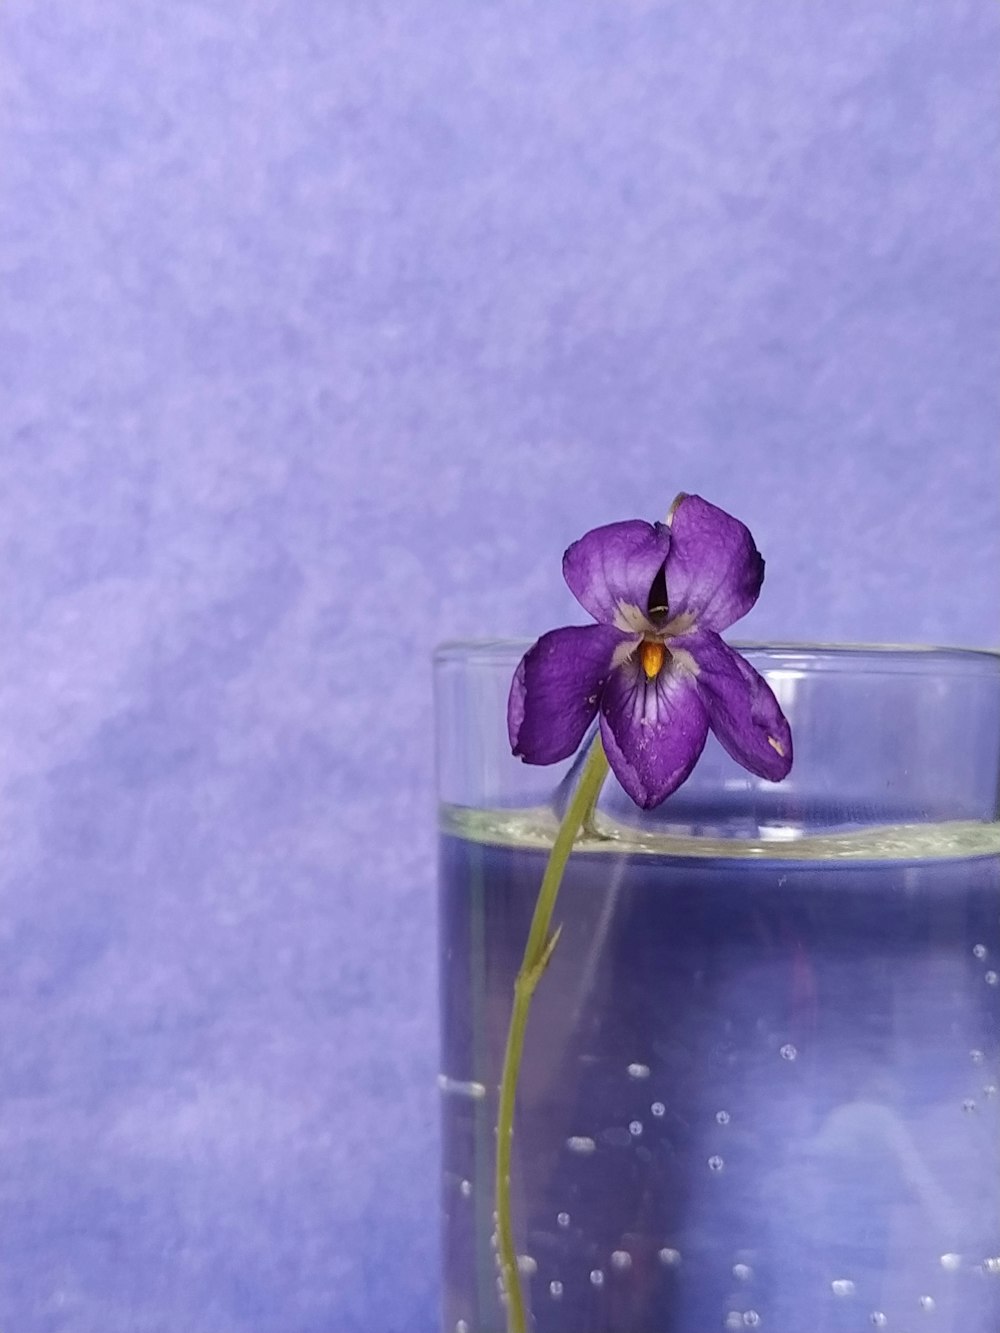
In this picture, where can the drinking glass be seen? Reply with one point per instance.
(760, 1079)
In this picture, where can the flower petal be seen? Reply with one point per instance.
(714, 570)
(556, 690)
(653, 730)
(742, 709)
(610, 570)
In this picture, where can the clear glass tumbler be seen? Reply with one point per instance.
(760, 1084)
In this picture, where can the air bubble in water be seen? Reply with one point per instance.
(670, 1258)
(976, 1057)
(980, 950)
(715, 1164)
(990, 1090)
(734, 1319)
(842, 1286)
(742, 1272)
(596, 1277)
(968, 1104)
(621, 1260)
(581, 1144)
(788, 1051)
(658, 1109)
(562, 1219)
(526, 1265)
(638, 1071)
(878, 1319)
(465, 1188)
(722, 1117)
(951, 1262)
(461, 1088)
(555, 1289)
(992, 1266)
(751, 1319)
(635, 1128)
(927, 1302)
(992, 978)
(461, 1327)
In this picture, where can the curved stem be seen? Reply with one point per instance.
(537, 953)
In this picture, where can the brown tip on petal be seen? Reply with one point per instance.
(681, 495)
(776, 745)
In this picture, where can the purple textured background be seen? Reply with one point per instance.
(323, 328)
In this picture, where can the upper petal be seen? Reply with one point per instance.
(653, 730)
(742, 709)
(610, 570)
(714, 570)
(556, 689)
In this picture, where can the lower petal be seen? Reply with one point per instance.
(556, 690)
(742, 709)
(653, 730)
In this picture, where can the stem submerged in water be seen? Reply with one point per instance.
(537, 953)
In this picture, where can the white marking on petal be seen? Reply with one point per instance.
(682, 659)
(624, 651)
(632, 619)
(681, 624)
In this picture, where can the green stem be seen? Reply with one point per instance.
(537, 953)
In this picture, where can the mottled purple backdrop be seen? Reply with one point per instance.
(324, 327)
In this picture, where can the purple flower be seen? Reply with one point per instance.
(653, 666)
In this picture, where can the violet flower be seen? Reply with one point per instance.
(654, 666)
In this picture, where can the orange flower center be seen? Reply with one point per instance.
(652, 655)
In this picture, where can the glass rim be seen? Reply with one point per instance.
(788, 655)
